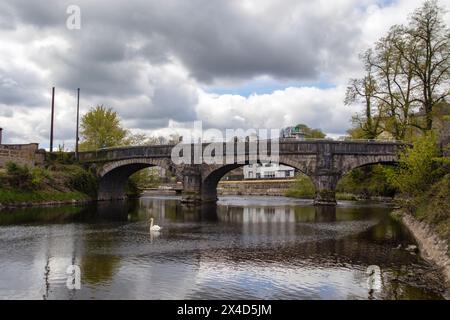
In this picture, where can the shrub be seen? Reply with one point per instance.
(434, 207)
(367, 182)
(417, 169)
(302, 188)
(19, 176)
(39, 177)
(81, 180)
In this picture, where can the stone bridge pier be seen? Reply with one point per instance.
(325, 185)
(323, 161)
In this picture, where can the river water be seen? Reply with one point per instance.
(242, 248)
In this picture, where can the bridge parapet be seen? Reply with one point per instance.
(114, 154)
(324, 161)
(285, 147)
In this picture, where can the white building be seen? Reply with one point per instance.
(268, 171)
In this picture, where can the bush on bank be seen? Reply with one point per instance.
(423, 180)
(57, 182)
(433, 207)
(361, 183)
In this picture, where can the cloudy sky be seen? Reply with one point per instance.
(164, 64)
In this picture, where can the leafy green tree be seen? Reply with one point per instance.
(302, 188)
(367, 182)
(101, 128)
(417, 169)
(311, 133)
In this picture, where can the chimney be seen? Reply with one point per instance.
(1, 130)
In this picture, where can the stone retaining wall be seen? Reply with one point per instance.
(25, 154)
(431, 246)
(255, 187)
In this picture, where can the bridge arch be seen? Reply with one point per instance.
(113, 176)
(213, 174)
(346, 164)
(324, 161)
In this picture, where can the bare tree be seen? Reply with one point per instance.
(406, 71)
(363, 91)
(429, 56)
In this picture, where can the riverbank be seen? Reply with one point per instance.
(57, 184)
(41, 199)
(432, 247)
(282, 187)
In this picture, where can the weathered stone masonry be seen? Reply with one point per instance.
(24, 154)
(324, 161)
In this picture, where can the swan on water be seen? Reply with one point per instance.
(154, 228)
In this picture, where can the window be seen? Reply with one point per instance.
(270, 174)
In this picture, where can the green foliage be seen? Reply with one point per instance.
(417, 169)
(11, 196)
(39, 176)
(302, 188)
(20, 183)
(101, 128)
(311, 133)
(19, 176)
(146, 178)
(367, 182)
(406, 77)
(82, 180)
(433, 206)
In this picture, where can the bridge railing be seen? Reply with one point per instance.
(342, 140)
(287, 146)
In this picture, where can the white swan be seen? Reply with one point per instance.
(154, 228)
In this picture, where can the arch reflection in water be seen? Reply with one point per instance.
(241, 249)
(325, 214)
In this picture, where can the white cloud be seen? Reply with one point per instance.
(321, 108)
(156, 62)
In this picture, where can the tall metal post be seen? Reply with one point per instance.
(78, 124)
(52, 119)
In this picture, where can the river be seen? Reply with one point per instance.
(242, 248)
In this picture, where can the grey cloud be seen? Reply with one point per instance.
(114, 56)
(40, 14)
(214, 39)
(6, 112)
(20, 87)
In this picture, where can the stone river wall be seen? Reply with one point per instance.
(255, 187)
(25, 154)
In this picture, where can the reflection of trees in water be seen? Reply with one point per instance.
(157, 208)
(276, 214)
(110, 211)
(98, 268)
(173, 210)
(40, 215)
(97, 264)
(266, 235)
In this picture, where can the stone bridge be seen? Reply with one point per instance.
(324, 161)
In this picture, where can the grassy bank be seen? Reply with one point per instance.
(349, 190)
(56, 182)
(433, 207)
(422, 177)
(12, 196)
